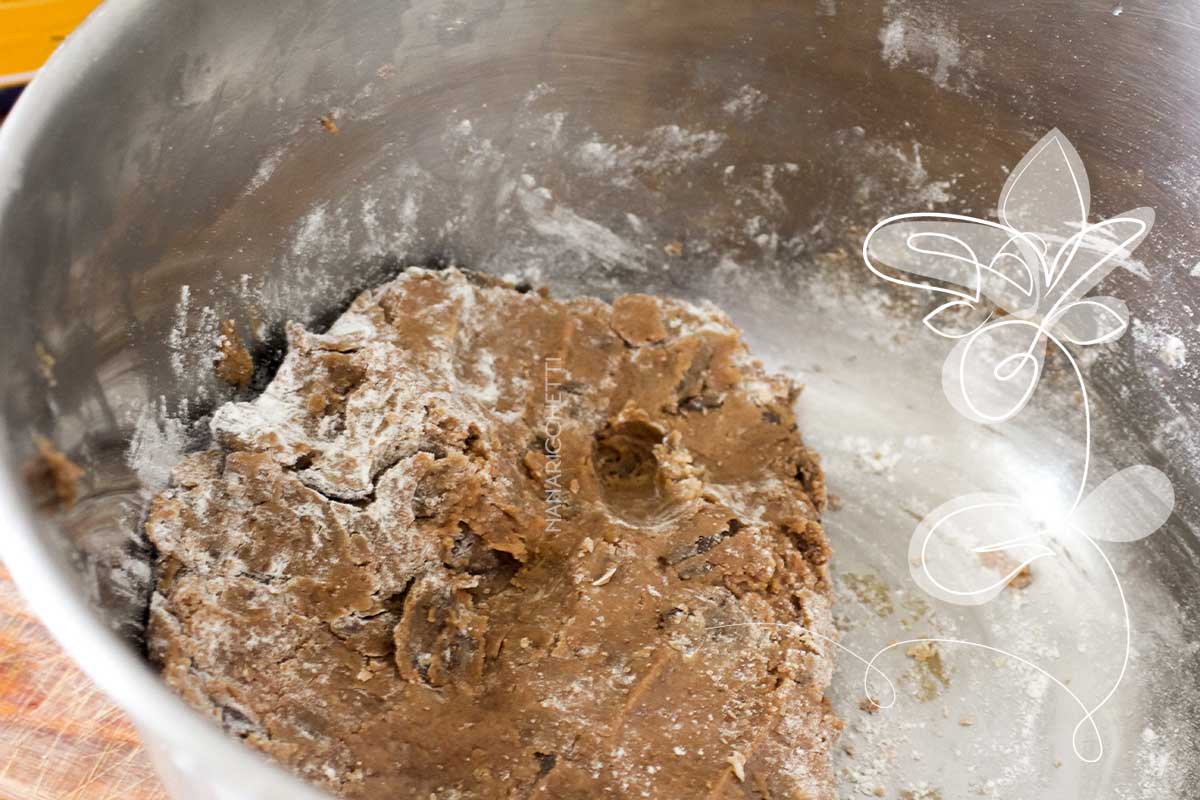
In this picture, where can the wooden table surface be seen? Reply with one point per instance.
(60, 738)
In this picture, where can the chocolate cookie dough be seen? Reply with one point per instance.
(474, 542)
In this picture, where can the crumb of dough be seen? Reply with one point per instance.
(922, 793)
(930, 670)
(52, 478)
(1022, 579)
(478, 542)
(922, 651)
(233, 363)
(46, 363)
(1004, 564)
(737, 762)
(606, 577)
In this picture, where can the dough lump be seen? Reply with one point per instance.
(475, 542)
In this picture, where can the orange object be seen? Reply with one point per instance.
(29, 32)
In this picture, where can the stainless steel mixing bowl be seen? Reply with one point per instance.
(170, 168)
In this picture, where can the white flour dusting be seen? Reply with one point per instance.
(156, 446)
(746, 103)
(1165, 346)
(928, 43)
(573, 232)
(266, 168)
(192, 343)
(918, 188)
(879, 458)
(667, 150)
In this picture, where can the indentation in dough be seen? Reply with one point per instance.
(628, 470)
